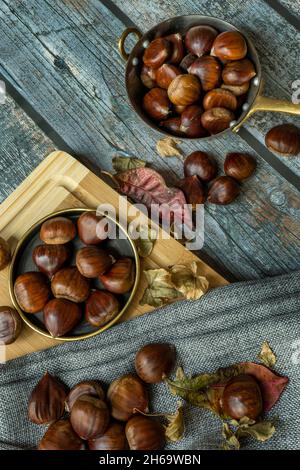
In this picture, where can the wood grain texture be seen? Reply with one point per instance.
(61, 182)
(63, 54)
(293, 6)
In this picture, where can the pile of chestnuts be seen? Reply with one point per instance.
(62, 291)
(86, 417)
(198, 83)
(201, 169)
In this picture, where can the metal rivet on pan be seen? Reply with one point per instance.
(146, 43)
(256, 81)
(135, 61)
(245, 107)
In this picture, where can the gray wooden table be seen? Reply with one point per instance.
(65, 89)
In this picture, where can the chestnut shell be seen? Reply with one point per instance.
(61, 436)
(242, 398)
(144, 433)
(120, 278)
(69, 284)
(114, 438)
(89, 231)
(223, 190)
(89, 417)
(284, 139)
(200, 164)
(57, 231)
(10, 325)
(239, 166)
(125, 394)
(32, 291)
(50, 258)
(91, 261)
(61, 316)
(87, 387)
(101, 307)
(155, 361)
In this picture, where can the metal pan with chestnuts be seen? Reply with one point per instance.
(56, 270)
(190, 61)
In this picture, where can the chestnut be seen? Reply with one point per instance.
(208, 70)
(113, 439)
(179, 109)
(32, 291)
(69, 284)
(50, 258)
(187, 61)
(91, 387)
(239, 166)
(223, 190)
(216, 120)
(92, 261)
(177, 48)
(284, 139)
(156, 104)
(184, 90)
(158, 51)
(144, 433)
(47, 400)
(220, 98)
(90, 231)
(61, 436)
(230, 45)
(193, 190)
(89, 417)
(199, 39)
(200, 164)
(172, 125)
(242, 398)
(191, 125)
(57, 231)
(155, 361)
(4, 254)
(120, 278)
(238, 72)
(61, 316)
(126, 394)
(165, 74)
(237, 90)
(10, 325)
(101, 307)
(148, 77)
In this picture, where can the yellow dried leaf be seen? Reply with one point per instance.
(175, 429)
(189, 281)
(167, 147)
(146, 241)
(266, 355)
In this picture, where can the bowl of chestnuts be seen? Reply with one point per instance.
(69, 279)
(196, 77)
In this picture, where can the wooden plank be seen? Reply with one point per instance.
(62, 55)
(293, 6)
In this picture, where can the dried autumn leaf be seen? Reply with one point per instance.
(160, 290)
(231, 441)
(167, 147)
(262, 431)
(121, 164)
(175, 429)
(266, 355)
(146, 241)
(189, 281)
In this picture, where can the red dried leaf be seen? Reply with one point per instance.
(148, 187)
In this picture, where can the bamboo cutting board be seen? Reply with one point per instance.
(61, 182)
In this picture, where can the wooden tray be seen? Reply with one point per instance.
(61, 182)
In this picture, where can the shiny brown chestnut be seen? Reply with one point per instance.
(237, 90)
(158, 51)
(57, 231)
(184, 90)
(92, 228)
(223, 190)
(200, 164)
(165, 74)
(47, 400)
(89, 417)
(144, 433)
(187, 61)
(179, 109)
(238, 72)
(242, 398)
(157, 104)
(199, 39)
(4, 254)
(101, 307)
(177, 48)
(148, 77)
(69, 284)
(172, 125)
(284, 139)
(92, 261)
(239, 166)
(114, 438)
(216, 120)
(193, 190)
(190, 123)
(155, 361)
(87, 387)
(10, 325)
(220, 98)
(32, 291)
(61, 316)
(230, 45)
(61, 436)
(120, 278)
(50, 258)
(126, 394)
(208, 70)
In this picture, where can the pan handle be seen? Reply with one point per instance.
(263, 103)
(121, 42)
